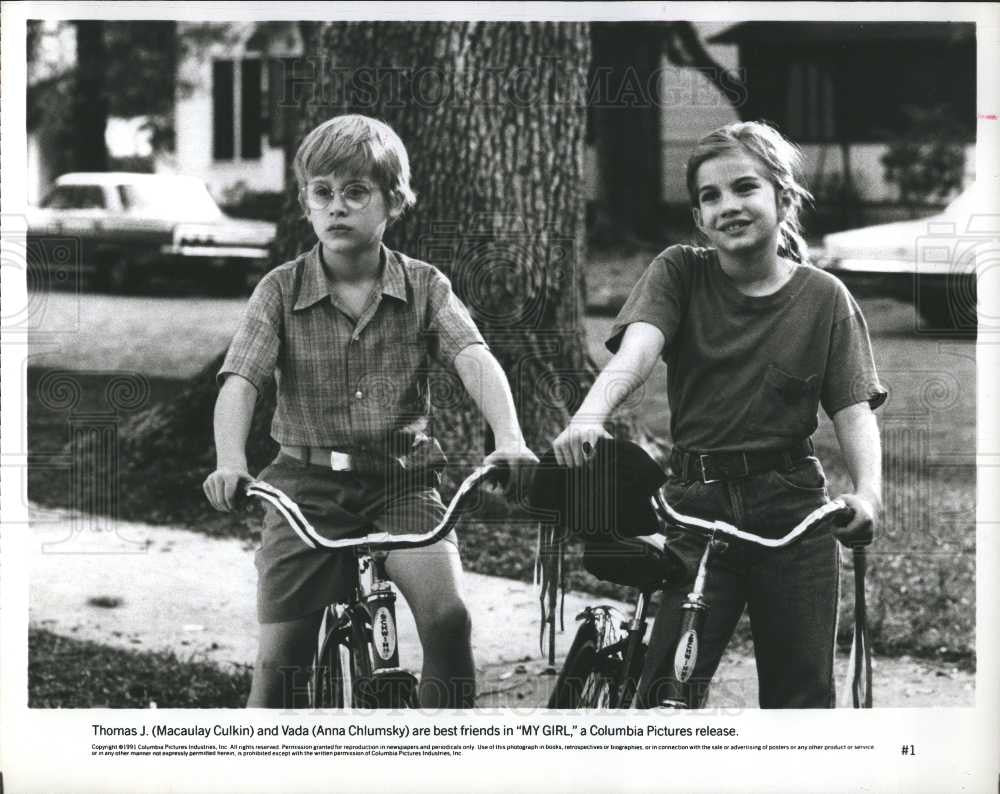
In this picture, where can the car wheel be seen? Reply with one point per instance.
(117, 276)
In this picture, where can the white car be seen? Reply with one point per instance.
(122, 229)
(930, 261)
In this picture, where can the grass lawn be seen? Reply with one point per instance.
(67, 673)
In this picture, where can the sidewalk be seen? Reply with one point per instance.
(142, 587)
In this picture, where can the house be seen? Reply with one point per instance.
(233, 104)
(844, 90)
(841, 90)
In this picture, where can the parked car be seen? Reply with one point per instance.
(930, 261)
(123, 229)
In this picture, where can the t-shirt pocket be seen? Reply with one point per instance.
(785, 405)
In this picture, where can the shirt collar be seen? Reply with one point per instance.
(314, 286)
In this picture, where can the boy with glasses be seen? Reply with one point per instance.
(348, 329)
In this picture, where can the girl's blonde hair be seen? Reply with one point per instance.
(356, 144)
(782, 160)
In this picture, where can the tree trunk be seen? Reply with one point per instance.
(626, 119)
(493, 119)
(90, 113)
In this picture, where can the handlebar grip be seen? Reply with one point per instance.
(498, 473)
(240, 497)
(862, 536)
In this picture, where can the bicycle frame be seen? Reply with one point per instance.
(621, 658)
(363, 632)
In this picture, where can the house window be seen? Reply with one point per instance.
(237, 109)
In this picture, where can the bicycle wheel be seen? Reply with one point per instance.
(332, 679)
(586, 679)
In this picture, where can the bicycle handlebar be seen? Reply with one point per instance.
(836, 510)
(376, 540)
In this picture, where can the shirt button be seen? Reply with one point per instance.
(358, 395)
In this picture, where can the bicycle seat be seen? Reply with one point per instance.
(646, 562)
(605, 499)
(607, 504)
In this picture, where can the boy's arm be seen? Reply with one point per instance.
(628, 369)
(233, 415)
(857, 433)
(485, 381)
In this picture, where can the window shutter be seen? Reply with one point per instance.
(222, 110)
(251, 112)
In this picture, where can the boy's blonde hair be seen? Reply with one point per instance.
(355, 144)
(781, 159)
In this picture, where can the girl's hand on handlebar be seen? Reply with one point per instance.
(860, 530)
(221, 487)
(574, 445)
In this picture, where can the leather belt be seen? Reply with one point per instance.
(720, 466)
(321, 456)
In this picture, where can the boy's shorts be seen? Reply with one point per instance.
(294, 580)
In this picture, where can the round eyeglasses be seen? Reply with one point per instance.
(355, 195)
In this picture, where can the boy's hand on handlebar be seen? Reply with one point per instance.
(221, 487)
(574, 445)
(860, 530)
(513, 456)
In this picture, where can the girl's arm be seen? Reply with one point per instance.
(233, 415)
(628, 368)
(857, 433)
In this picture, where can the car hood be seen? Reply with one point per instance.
(886, 242)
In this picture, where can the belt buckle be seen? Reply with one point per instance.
(701, 463)
(340, 461)
(745, 472)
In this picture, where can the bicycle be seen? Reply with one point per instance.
(604, 662)
(356, 663)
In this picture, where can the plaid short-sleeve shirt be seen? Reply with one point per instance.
(361, 387)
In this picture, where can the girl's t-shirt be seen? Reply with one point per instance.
(749, 373)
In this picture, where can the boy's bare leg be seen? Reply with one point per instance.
(429, 579)
(284, 656)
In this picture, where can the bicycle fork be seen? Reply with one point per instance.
(390, 685)
(381, 605)
(685, 655)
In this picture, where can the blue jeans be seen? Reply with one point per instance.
(791, 593)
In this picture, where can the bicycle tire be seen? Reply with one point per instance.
(632, 679)
(364, 694)
(331, 679)
(580, 683)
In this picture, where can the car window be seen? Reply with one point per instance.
(61, 198)
(75, 197)
(170, 198)
(91, 197)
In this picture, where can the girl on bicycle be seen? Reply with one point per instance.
(755, 340)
